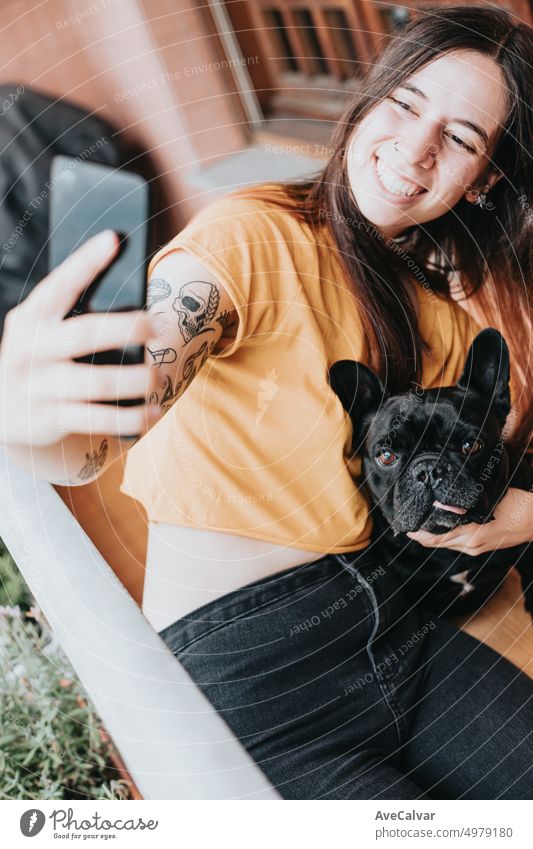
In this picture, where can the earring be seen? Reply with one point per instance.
(481, 199)
(478, 198)
(395, 145)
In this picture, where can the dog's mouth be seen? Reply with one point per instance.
(429, 514)
(452, 508)
(440, 517)
(433, 515)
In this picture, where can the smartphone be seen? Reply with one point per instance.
(86, 198)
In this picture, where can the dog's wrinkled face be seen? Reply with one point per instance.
(432, 458)
(424, 457)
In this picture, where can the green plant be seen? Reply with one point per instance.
(13, 589)
(51, 744)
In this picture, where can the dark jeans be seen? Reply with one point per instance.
(339, 690)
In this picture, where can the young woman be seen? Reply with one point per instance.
(260, 576)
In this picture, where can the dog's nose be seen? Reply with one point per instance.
(427, 472)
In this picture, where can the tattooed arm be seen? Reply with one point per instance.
(197, 318)
(53, 425)
(76, 460)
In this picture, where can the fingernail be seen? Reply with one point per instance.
(105, 235)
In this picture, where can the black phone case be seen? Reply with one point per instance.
(87, 198)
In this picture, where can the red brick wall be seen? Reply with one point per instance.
(154, 68)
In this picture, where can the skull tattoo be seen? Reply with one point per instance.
(196, 306)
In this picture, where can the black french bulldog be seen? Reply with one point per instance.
(432, 460)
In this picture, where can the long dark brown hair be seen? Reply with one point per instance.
(490, 249)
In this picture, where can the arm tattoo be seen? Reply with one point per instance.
(223, 319)
(158, 290)
(169, 393)
(225, 322)
(196, 305)
(191, 368)
(95, 461)
(163, 355)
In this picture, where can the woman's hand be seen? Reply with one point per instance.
(512, 525)
(46, 395)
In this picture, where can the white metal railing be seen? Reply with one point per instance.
(170, 737)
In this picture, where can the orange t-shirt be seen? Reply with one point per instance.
(258, 445)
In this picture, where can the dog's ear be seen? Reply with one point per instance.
(360, 392)
(487, 371)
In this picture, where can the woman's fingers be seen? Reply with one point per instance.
(106, 418)
(78, 382)
(59, 291)
(425, 538)
(465, 538)
(432, 540)
(86, 334)
(49, 395)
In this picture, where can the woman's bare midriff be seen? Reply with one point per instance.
(189, 567)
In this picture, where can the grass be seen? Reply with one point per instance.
(51, 742)
(13, 589)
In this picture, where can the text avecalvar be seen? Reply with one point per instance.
(404, 815)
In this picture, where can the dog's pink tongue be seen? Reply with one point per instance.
(451, 507)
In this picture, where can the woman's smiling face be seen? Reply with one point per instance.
(418, 151)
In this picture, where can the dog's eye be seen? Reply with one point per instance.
(385, 457)
(471, 446)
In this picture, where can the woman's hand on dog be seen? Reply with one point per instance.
(512, 525)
